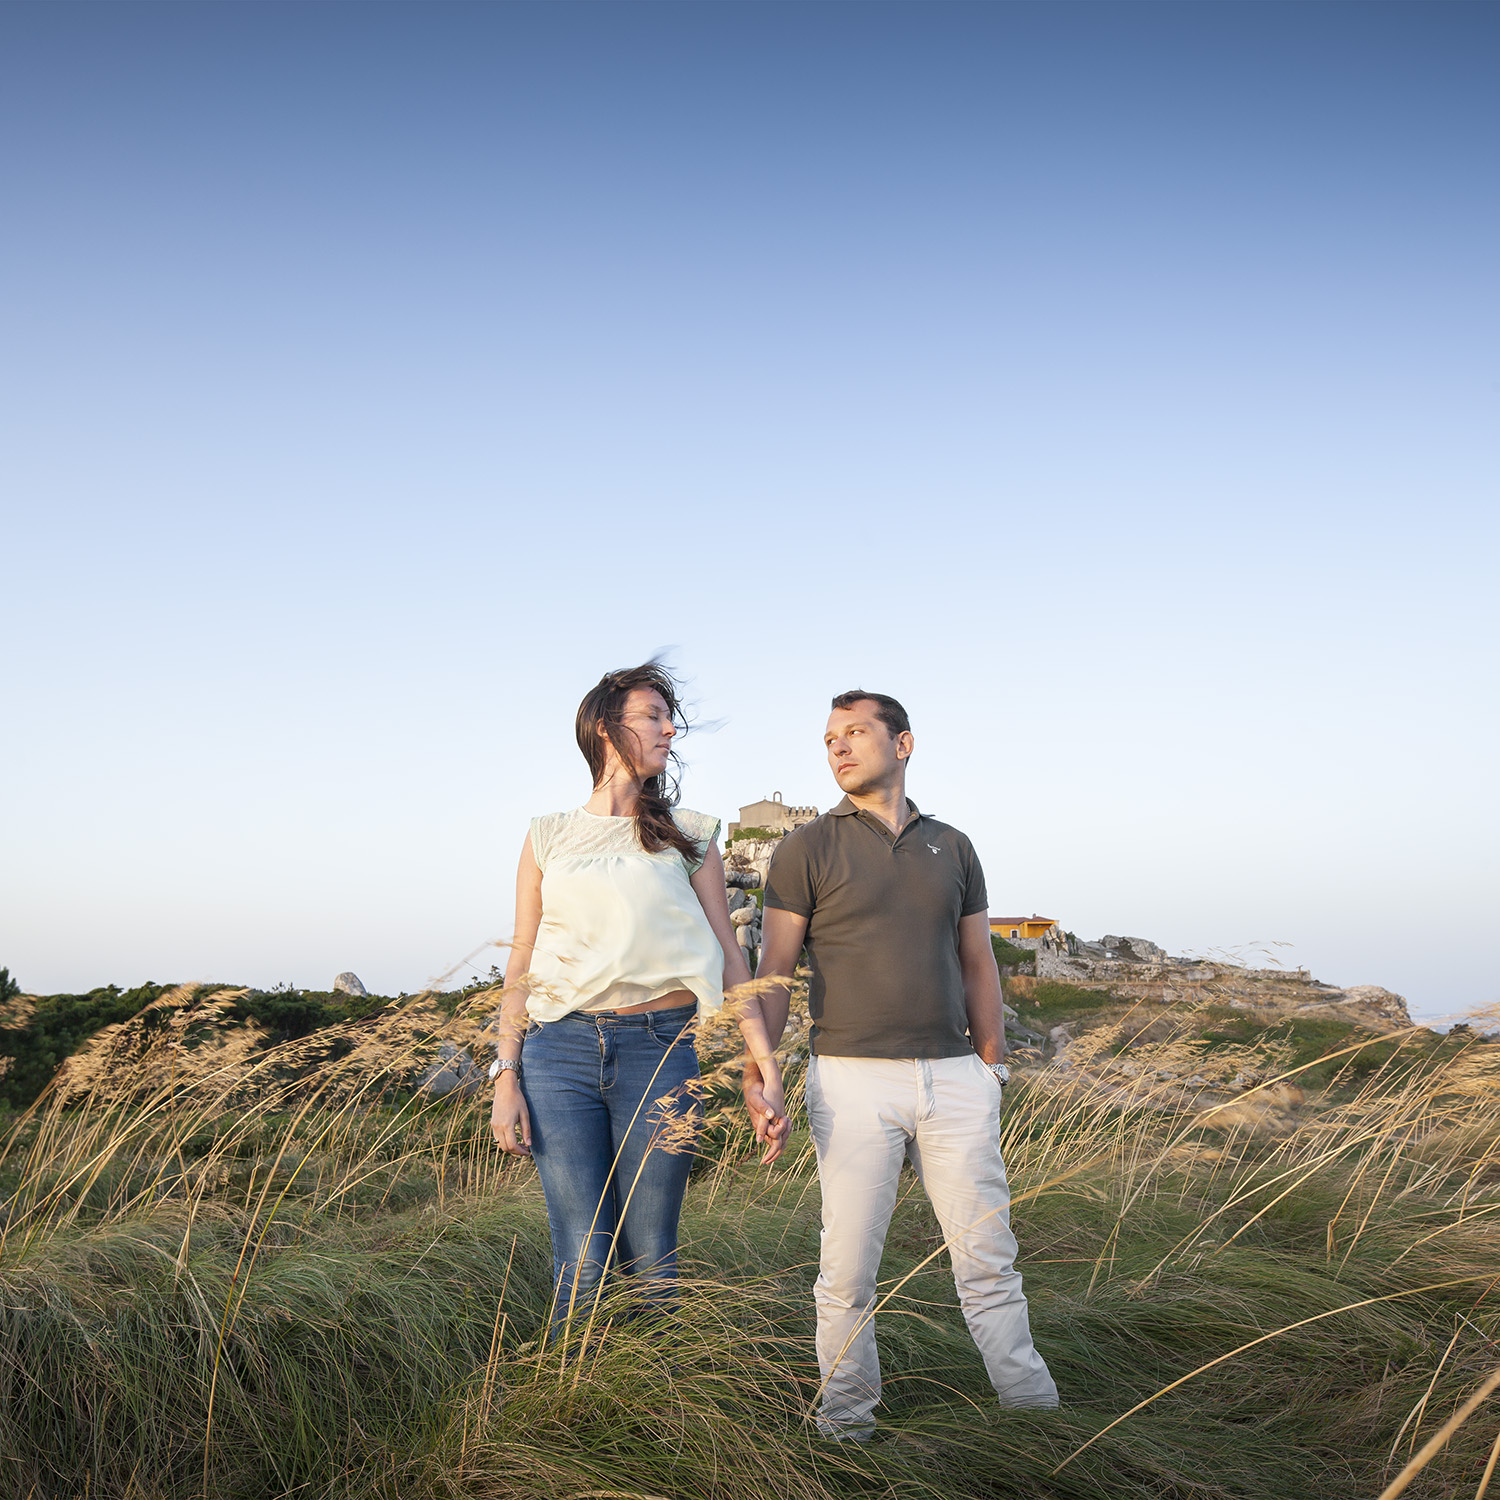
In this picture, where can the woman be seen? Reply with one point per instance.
(622, 937)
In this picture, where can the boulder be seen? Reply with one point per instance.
(348, 983)
(454, 1071)
(439, 1081)
(736, 898)
(1133, 949)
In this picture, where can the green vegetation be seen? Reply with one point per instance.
(9, 988)
(35, 1043)
(752, 833)
(1309, 1039)
(1051, 1001)
(1006, 952)
(261, 1268)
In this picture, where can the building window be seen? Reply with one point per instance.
(1014, 933)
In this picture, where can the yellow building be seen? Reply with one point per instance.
(1014, 929)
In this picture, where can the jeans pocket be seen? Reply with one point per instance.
(666, 1034)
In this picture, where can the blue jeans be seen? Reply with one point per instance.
(613, 1123)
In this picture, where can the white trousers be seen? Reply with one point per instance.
(867, 1114)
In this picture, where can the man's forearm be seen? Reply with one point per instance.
(985, 1003)
(780, 950)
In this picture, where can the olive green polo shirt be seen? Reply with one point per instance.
(882, 915)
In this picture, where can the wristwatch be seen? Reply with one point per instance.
(1001, 1073)
(504, 1065)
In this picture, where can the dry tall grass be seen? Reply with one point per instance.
(228, 1268)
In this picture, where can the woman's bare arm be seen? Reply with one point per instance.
(708, 885)
(508, 1117)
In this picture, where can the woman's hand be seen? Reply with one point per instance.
(766, 1100)
(508, 1117)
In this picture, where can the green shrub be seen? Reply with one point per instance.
(289, 1014)
(752, 833)
(58, 1027)
(61, 1024)
(1051, 1000)
(1008, 953)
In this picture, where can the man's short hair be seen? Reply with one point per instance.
(887, 710)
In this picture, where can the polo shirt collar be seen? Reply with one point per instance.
(846, 807)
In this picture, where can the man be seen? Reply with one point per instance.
(908, 1048)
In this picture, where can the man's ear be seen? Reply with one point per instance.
(905, 744)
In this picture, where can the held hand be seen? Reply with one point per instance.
(775, 1099)
(778, 1133)
(767, 1109)
(508, 1117)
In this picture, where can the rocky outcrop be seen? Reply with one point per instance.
(1146, 1044)
(348, 983)
(749, 857)
(1131, 949)
(1137, 969)
(1364, 1005)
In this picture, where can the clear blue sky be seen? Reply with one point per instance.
(1115, 385)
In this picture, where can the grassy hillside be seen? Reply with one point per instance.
(239, 1266)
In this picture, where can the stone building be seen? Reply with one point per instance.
(773, 815)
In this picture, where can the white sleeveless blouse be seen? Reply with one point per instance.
(619, 926)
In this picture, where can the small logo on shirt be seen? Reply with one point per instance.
(934, 848)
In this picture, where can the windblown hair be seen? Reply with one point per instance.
(887, 710)
(604, 705)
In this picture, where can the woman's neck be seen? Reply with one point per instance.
(615, 797)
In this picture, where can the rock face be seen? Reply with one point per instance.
(453, 1072)
(744, 913)
(747, 930)
(348, 983)
(1142, 950)
(749, 857)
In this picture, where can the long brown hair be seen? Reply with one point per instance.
(604, 705)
